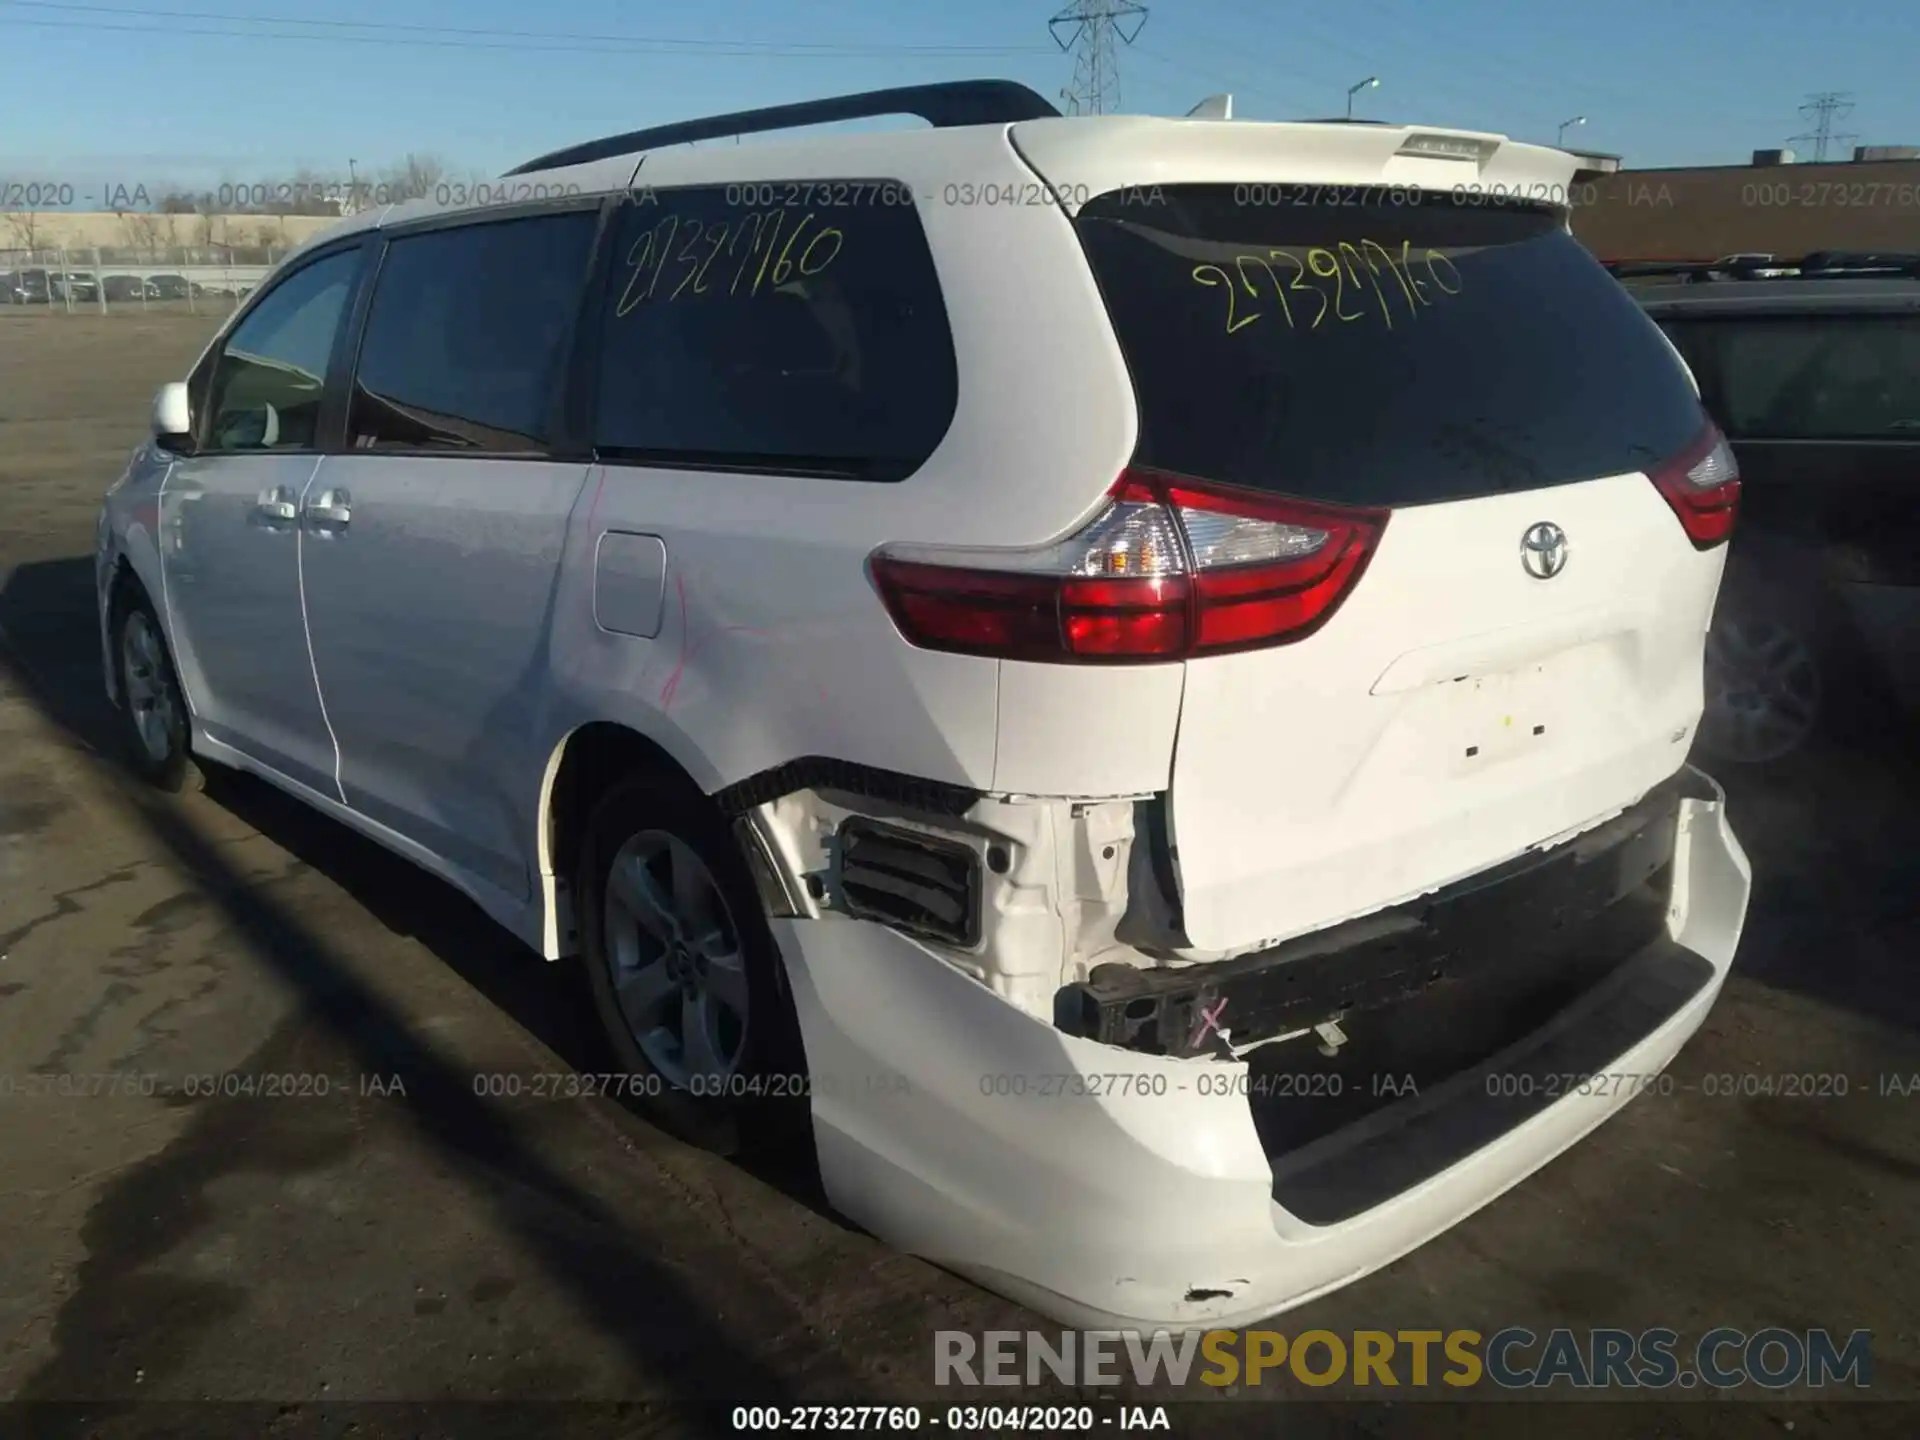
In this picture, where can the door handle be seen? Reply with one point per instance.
(276, 505)
(330, 509)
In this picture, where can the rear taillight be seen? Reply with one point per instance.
(1702, 484)
(1170, 568)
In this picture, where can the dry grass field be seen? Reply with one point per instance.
(74, 396)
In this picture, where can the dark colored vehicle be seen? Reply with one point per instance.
(73, 286)
(127, 288)
(167, 287)
(1814, 377)
(24, 287)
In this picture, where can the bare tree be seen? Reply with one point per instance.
(24, 226)
(411, 178)
(142, 229)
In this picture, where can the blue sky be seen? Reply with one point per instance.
(145, 91)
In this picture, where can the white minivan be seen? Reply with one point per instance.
(1130, 677)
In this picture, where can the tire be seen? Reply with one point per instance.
(1781, 648)
(747, 1091)
(153, 708)
(1768, 684)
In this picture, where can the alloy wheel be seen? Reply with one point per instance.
(151, 696)
(678, 971)
(1763, 690)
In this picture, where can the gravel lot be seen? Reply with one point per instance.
(433, 1245)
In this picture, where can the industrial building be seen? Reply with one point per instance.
(1773, 205)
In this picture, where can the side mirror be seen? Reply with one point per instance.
(172, 417)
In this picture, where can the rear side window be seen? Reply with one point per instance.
(1415, 349)
(1831, 377)
(780, 337)
(464, 339)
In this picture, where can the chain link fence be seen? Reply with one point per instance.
(208, 280)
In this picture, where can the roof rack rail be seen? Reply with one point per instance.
(945, 104)
(1855, 262)
(1679, 269)
(1821, 264)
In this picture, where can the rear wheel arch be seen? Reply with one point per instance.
(591, 760)
(604, 781)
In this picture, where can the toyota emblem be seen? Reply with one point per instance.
(1543, 550)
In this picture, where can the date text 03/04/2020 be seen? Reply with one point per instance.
(954, 1419)
(1203, 1081)
(585, 1085)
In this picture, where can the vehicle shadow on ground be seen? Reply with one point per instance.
(49, 645)
(47, 611)
(1833, 834)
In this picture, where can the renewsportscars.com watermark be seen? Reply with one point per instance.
(1515, 1358)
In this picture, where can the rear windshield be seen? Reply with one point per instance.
(1408, 348)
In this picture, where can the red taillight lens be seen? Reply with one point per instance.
(1702, 484)
(1171, 568)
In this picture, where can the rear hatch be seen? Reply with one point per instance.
(1511, 650)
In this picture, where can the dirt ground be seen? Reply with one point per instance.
(369, 1245)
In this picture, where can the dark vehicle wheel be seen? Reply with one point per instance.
(1766, 689)
(151, 702)
(1786, 666)
(684, 971)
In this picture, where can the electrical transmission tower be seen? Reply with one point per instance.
(1088, 28)
(1822, 110)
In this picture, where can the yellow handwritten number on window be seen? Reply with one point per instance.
(760, 242)
(1346, 261)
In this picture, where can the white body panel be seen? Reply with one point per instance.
(232, 585)
(1325, 779)
(474, 614)
(429, 614)
(1104, 1210)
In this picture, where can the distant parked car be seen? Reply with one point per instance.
(1815, 378)
(1753, 265)
(167, 287)
(126, 288)
(25, 287)
(75, 287)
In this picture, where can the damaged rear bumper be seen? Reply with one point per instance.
(1533, 910)
(1114, 1188)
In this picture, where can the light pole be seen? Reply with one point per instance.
(1566, 125)
(1370, 83)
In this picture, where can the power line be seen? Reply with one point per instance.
(1089, 28)
(1823, 109)
(465, 37)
